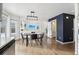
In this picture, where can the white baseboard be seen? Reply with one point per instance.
(65, 42)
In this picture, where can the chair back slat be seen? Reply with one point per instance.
(34, 36)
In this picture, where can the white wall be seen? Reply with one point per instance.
(76, 28)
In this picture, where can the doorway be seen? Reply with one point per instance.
(53, 28)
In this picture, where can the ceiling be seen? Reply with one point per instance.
(43, 10)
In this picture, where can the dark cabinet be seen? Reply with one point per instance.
(65, 27)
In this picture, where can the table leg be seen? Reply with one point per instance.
(41, 42)
(26, 42)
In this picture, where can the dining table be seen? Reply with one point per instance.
(33, 36)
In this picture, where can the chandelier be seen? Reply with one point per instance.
(32, 16)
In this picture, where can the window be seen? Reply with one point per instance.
(3, 25)
(12, 30)
(3, 29)
(12, 27)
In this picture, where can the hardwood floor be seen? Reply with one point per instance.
(10, 50)
(50, 47)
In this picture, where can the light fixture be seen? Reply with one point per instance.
(53, 22)
(67, 17)
(32, 16)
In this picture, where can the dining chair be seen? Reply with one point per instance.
(40, 37)
(27, 40)
(34, 37)
(23, 37)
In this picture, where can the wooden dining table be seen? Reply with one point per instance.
(33, 36)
